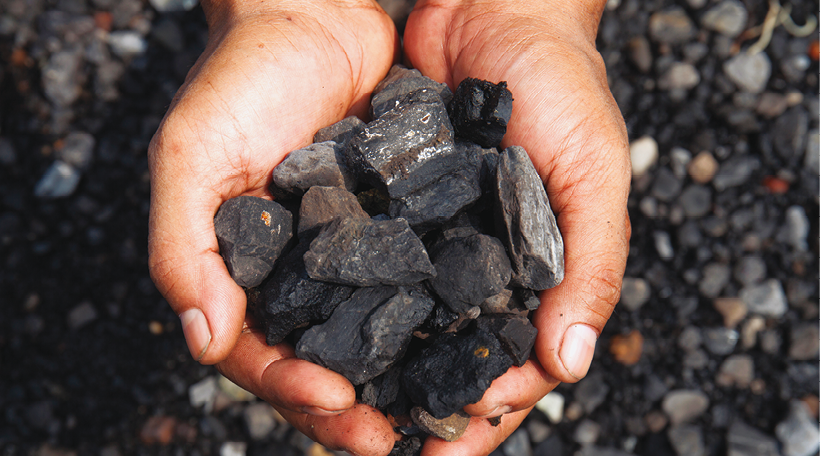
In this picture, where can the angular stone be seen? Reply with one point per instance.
(319, 164)
(529, 298)
(735, 171)
(409, 447)
(290, 299)
(398, 83)
(749, 72)
(480, 111)
(323, 205)
(469, 270)
(382, 390)
(515, 332)
(367, 333)
(728, 18)
(59, 180)
(671, 26)
(767, 299)
(341, 132)
(455, 371)
(528, 224)
(367, 253)
(683, 406)
(448, 429)
(407, 148)
(687, 440)
(744, 440)
(635, 292)
(736, 370)
(798, 432)
(78, 150)
(252, 232)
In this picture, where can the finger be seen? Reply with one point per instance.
(518, 389)
(361, 430)
(288, 383)
(480, 438)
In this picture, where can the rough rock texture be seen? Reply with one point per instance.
(454, 371)
(341, 132)
(409, 447)
(290, 299)
(382, 390)
(366, 253)
(323, 205)
(252, 232)
(531, 234)
(480, 111)
(367, 333)
(319, 164)
(469, 270)
(398, 83)
(448, 429)
(406, 148)
(515, 332)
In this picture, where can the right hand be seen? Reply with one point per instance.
(273, 73)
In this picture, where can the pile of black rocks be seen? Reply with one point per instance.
(406, 252)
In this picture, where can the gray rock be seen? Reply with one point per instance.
(812, 158)
(680, 75)
(798, 432)
(448, 429)
(591, 391)
(690, 338)
(744, 440)
(663, 245)
(695, 52)
(687, 440)
(771, 105)
(794, 67)
(666, 185)
(400, 82)
(366, 253)
(720, 341)
(167, 32)
(366, 334)
(407, 148)
(695, 359)
(749, 72)
(689, 234)
(696, 200)
(203, 392)
(59, 181)
(634, 293)
(81, 315)
(735, 171)
(469, 270)
(529, 229)
(252, 232)
(771, 341)
(319, 164)
(767, 299)
(259, 418)
(803, 342)
(8, 156)
(728, 17)
(63, 77)
(684, 406)
(127, 43)
(341, 132)
(173, 5)
(323, 205)
(750, 270)
(640, 53)
(77, 150)
(715, 278)
(671, 26)
(790, 132)
(796, 229)
(587, 432)
(518, 444)
(736, 370)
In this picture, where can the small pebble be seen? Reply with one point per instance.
(587, 432)
(644, 154)
(517, 444)
(627, 349)
(736, 370)
(803, 340)
(732, 309)
(671, 26)
(591, 391)
(552, 405)
(687, 440)
(233, 449)
(202, 393)
(635, 293)
(720, 341)
(750, 270)
(684, 406)
(663, 245)
(81, 315)
(703, 167)
(798, 433)
(749, 72)
(727, 17)
(767, 298)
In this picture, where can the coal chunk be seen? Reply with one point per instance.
(319, 164)
(322, 205)
(367, 333)
(399, 82)
(340, 132)
(480, 111)
(382, 390)
(469, 270)
(515, 332)
(408, 447)
(252, 232)
(527, 222)
(455, 371)
(448, 429)
(367, 253)
(290, 299)
(407, 148)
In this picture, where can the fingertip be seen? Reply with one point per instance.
(302, 386)
(577, 349)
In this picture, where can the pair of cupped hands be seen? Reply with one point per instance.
(274, 72)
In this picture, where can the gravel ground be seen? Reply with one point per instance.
(713, 349)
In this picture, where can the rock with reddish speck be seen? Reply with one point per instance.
(515, 332)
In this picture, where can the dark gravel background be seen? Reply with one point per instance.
(713, 349)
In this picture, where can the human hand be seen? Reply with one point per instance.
(566, 118)
(273, 73)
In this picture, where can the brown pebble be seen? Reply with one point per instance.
(627, 349)
(158, 429)
(703, 167)
(732, 309)
(812, 404)
(449, 429)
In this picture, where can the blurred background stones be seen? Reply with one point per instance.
(718, 315)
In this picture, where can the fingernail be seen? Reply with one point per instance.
(197, 332)
(318, 411)
(577, 349)
(498, 411)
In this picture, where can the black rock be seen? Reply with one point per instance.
(290, 299)
(530, 232)
(528, 298)
(469, 270)
(480, 111)
(340, 132)
(408, 447)
(252, 232)
(455, 371)
(367, 253)
(407, 148)
(515, 332)
(382, 390)
(319, 164)
(323, 205)
(399, 82)
(367, 333)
